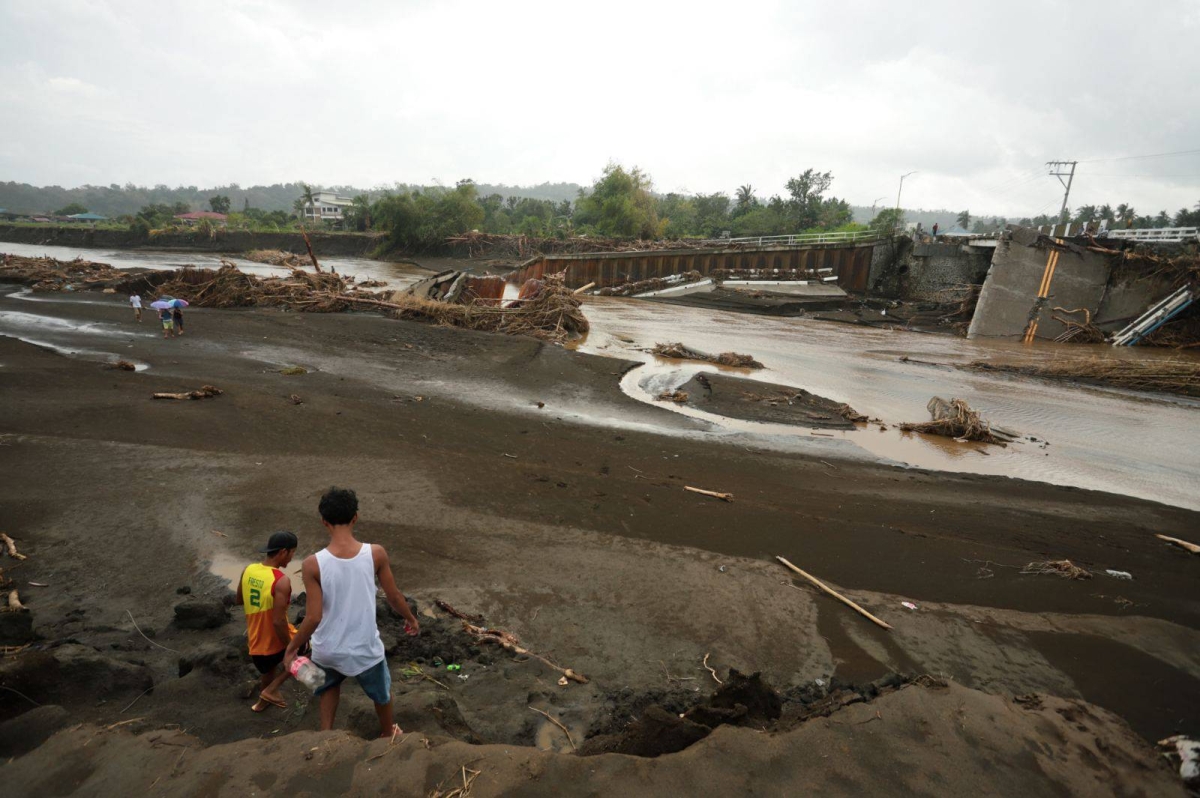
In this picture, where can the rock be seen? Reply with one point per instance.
(184, 591)
(657, 732)
(26, 732)
(73, 672)
(227, 659)
(200, 613)
(16, 628)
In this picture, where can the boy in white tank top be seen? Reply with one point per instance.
(340, 612)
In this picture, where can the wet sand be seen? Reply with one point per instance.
(567, 524)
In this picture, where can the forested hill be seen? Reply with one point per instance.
(117, 200)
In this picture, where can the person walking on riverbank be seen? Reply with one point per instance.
(136, 302)
(177, 318)
(168, 324)
(339, 582)
(265, 593)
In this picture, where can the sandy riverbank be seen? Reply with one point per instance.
(569, 525)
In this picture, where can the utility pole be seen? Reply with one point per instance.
(898, 195)
(1059, 165)
(873, 204)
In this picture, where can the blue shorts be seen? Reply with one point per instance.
(375, 681)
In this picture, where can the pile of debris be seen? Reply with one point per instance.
(48, 274)
(1166, 376)
(547, 309)
(955, 419)
(229, 287)
(678, 351)
(653, 284)
(276, 257)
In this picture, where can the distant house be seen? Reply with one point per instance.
(86, 217)
(195, 216)
(326, 206)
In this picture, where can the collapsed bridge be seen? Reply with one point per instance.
(844, 258)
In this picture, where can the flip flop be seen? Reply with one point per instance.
(273, 702)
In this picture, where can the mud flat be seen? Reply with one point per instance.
(513, 479)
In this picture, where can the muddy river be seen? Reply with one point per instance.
(1105, 439)
(394, 275)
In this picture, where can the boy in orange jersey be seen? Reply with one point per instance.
(265, 592)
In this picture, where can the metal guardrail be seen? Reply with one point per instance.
(800, 238)
(1164, 234)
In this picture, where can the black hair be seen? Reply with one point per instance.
(338, 506)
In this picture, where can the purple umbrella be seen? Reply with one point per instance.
(179, 303)
(160, 305)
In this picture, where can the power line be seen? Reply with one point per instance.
(1137, 157)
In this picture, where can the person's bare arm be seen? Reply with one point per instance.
(312, 608)
(282, 595)
(239, 589)
(387, 581)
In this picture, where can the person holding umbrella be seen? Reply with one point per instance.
(164, 315)
(177, 306)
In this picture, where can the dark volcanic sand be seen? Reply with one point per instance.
(577, 536)
(751, 400)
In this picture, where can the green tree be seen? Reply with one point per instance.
(219, 203)
(805, 194)
(620, 204)
(887, 221)
(744, 200)
(71, 209)
(358, 215)
(964, 220)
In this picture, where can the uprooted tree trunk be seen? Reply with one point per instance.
(955, 419)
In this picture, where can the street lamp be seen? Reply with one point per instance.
(875, 202)
(899, 190)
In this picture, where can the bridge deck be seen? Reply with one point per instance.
(851, 262)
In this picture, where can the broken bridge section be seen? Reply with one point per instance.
(1036, 281)
(846, 263)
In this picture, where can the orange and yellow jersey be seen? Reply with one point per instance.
(258, 599)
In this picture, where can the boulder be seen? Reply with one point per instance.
(200, 613)
(16, 628)
(26, 732)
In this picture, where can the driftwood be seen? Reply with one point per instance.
(1192, 547)
(556, 723)
(1064, 568)
(10, 546)
(955, 419)
(834, 593)
(715, 495)
(716, 678)
(312, 255)
(678, 351)
(205, 392)
(508, 641)
(462, 616)
(581, 289)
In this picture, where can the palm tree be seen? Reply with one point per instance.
(360, 212)
(745, 196)
(306, 197)
(964, 219)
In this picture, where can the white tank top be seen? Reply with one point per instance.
(347, 638)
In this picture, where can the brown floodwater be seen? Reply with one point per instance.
(1090, 437)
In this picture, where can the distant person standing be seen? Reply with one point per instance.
(177, 317)
(935, 229)
(265, 592)
(339, 581)
(136, 302)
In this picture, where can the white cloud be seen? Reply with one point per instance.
(703, 95)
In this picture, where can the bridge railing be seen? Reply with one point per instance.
(800, 239)
(1164, 234)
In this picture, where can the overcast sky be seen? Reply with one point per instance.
(703, 96)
